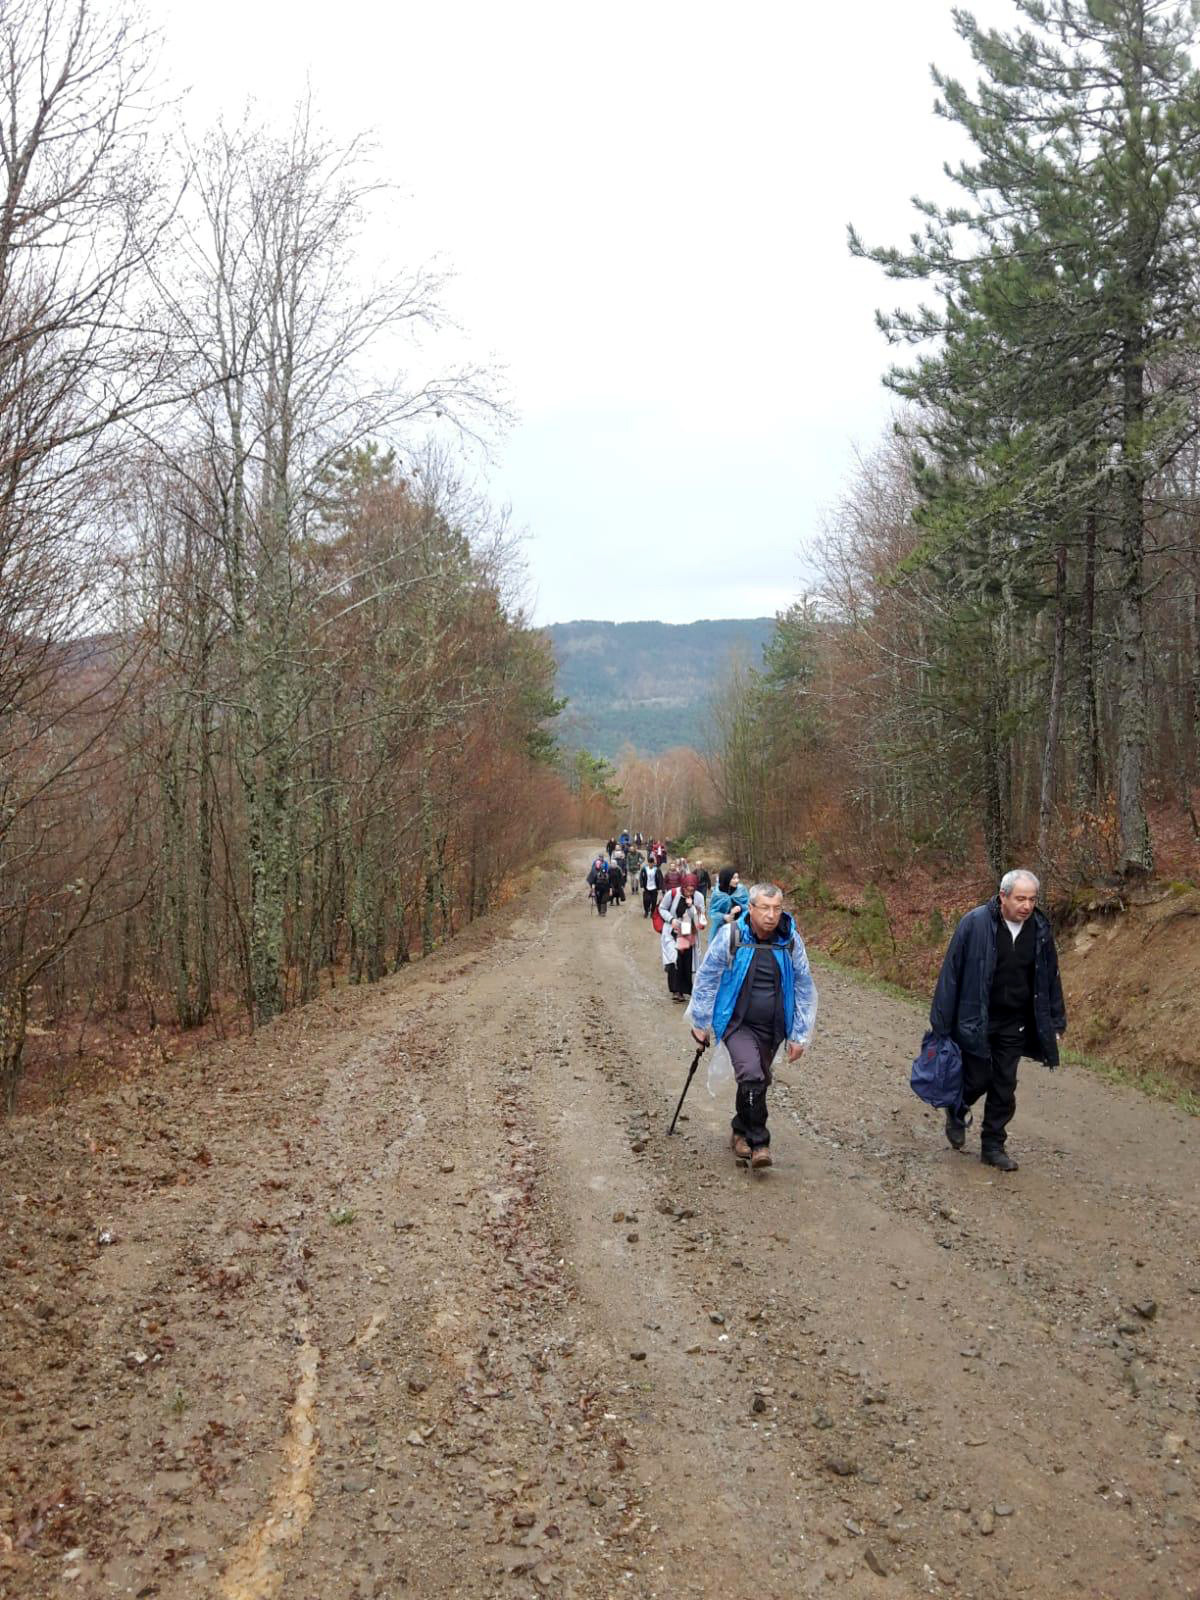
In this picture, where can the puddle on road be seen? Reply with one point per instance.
(256, 1571)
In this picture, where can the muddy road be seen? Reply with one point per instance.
(411, 1295)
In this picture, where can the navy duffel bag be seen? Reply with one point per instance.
(937, 1071)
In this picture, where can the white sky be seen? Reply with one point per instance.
(644, 206)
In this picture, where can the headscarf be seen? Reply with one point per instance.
(725, 877)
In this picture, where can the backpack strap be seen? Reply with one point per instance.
(735, 939)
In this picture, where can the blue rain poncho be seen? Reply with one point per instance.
(718, 982)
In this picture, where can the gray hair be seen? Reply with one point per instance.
(1009, 881)
(770, 890)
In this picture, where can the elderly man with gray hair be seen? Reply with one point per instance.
(999, 998)
(754, 989)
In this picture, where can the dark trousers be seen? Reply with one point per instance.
(683, 964)
(751, 1055)
(601, 901)
(649, 896)
(994, 1075)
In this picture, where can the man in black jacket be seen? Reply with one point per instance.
(999, 997)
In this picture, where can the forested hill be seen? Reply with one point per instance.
(646, 683)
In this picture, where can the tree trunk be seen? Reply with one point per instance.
(1054, 716)
(1088, 790)
(1136, 855)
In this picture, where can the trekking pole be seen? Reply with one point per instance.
(691, 1074)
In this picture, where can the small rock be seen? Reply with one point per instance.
(638, 1146)
(987, 1523)
(1003, 1510)
(632, 1238)
(415, 1440)
(843, 1466)
(523, 1519)
(665, 1208)
(694, 1350)
(970, 1354)
(637, 1355)
(1148, 1309)
(717, 1317)
(821, 1419)
(875, 1561)
(447, 1166)
(1139, 1379)
(758, 1404)
(1173, 1443)
(618, 1216)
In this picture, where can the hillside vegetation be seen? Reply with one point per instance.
(648, 684)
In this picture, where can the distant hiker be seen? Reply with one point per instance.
(600, 879)
(660, 853)
(649, 884)
(691, 879)
(610, 847)
(623, 841)
(703, 879)
(999, 998)
(729, 899)
(673, 877)
(616, 878)
(677, 940)
(754, 989)
(638, 840)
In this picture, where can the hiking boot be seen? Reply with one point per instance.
(956, 1126)
(998, 1157)
(740, 1148)
(761, 1157)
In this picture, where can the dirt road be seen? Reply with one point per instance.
(411, 1295)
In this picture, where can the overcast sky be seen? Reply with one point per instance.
(644, 206)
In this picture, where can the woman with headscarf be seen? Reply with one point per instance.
(729, 900)
(678, 940)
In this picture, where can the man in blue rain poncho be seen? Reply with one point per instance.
(754, 989)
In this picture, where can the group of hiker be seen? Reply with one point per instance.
(998, 995)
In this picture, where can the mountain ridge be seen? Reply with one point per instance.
(648, 683)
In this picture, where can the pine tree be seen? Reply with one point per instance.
(1066, 299)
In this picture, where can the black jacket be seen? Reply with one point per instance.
(960, 1001)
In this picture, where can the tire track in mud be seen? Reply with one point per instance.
(479, 1407)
